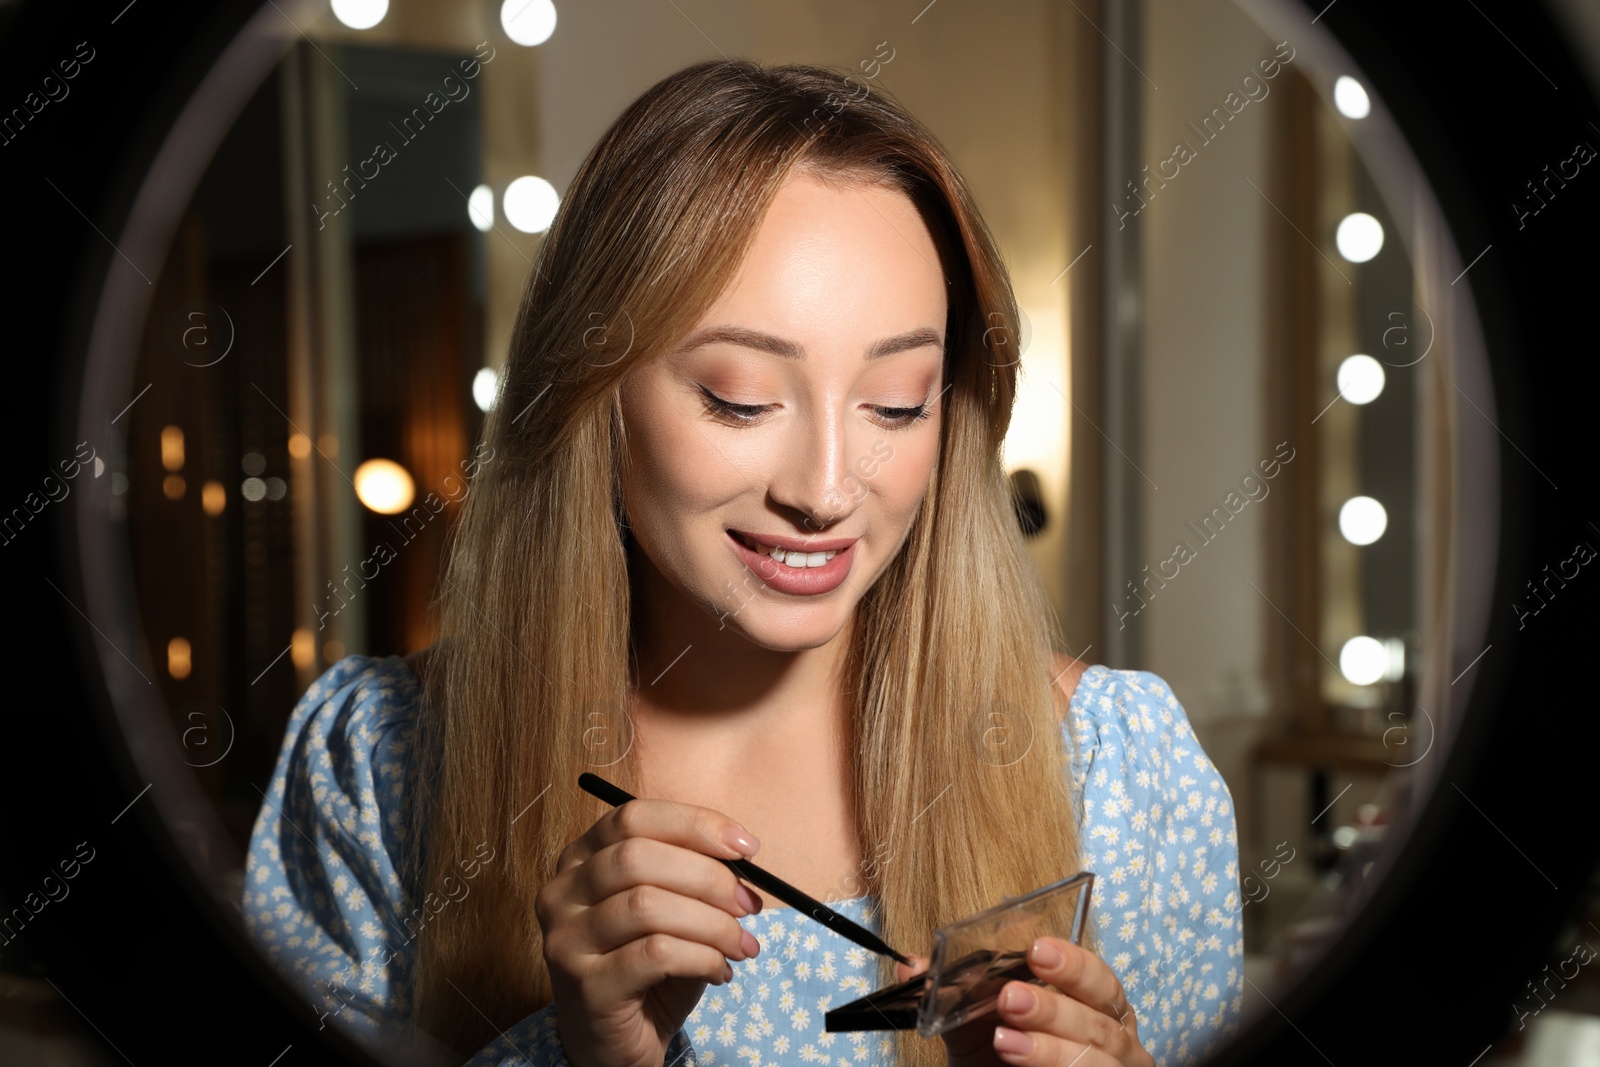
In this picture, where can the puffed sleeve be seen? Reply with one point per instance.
(1158, 831)
(323, 896)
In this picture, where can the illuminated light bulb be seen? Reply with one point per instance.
(484, 385)
(1363, 660)
(1362, 520)
(528, 22)
(384, 486)
(1350, 98)
(360, 14)
(530, 204)
(480, 208)
(1359, 237)
(1360, 379)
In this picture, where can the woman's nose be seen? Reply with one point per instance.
(813, 473)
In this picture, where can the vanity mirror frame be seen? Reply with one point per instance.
(182, 79)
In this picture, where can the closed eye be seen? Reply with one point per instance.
(734, 412)
(905, 416)
(751, 413)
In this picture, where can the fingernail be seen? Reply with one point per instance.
(741, 840)
(728, 976)
(1045, 954)
(747, 899)
(1020, 999)
(1008, 1040)
(750, 945)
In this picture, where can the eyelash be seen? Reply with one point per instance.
(749, 413)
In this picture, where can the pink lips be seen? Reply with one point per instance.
(798, 581)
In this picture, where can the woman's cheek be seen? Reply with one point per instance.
(905, 469)
(673, 462)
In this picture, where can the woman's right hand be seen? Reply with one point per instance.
(639, 918)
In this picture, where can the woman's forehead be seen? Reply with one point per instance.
(826, 251)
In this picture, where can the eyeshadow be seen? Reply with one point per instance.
(964, 978)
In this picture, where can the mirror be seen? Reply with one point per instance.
(1183, 218)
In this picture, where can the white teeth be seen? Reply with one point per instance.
(793, 557)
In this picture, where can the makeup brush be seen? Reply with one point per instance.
(599, 787)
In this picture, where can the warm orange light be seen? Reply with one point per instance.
(172, 448)
(328, 445)
(299, 445)
(178, 658)
(384, 486)
(172, 485)
(213, 498)
(303, 648)
(332, 650)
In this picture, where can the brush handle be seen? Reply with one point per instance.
(597, 786)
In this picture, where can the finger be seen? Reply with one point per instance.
(1078, 973)
(647, 909)
(1024, 1006)
(646, 861)
(690, 826)
(639, 966)
(1032, 1049)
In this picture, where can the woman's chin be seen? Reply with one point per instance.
(779, 631)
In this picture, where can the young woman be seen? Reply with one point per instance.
(739, 540)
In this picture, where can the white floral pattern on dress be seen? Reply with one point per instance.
(324, 901)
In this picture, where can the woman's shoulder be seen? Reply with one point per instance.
(346, 747)
(362, 688)
(1127, 694)
(1134, 717)
(357, 700)
(1135, 700)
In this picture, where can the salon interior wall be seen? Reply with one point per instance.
(1203, 365)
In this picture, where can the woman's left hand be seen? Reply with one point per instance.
(1082, 1018)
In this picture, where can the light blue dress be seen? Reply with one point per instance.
(324, 901)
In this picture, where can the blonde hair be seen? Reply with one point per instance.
(536, 649)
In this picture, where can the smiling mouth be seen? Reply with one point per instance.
(788, 557)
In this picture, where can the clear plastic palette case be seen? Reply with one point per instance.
(971, 962)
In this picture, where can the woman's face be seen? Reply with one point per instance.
(802, 412)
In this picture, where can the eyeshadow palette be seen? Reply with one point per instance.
(972, 961)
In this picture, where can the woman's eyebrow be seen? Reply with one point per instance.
(779, 346)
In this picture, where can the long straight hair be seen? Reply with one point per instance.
(958, 776)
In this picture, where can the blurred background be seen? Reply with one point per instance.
(1235, 453)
